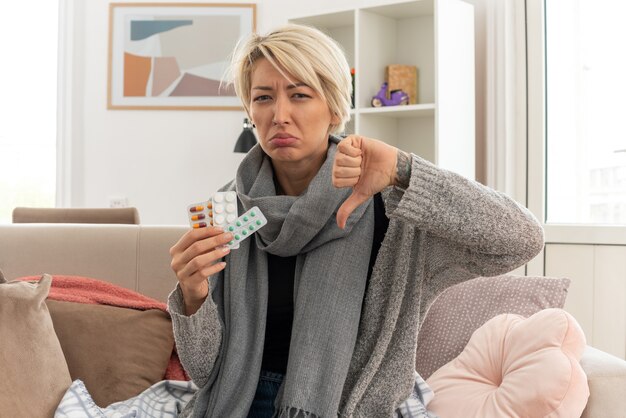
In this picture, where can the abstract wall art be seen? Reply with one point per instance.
(174, 55)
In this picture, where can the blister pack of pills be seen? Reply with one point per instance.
(220, 210)
(224, 208)
(246, 225)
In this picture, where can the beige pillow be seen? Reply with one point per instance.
(463, 308)
(33, 372)
(117, 352)
(606, 375)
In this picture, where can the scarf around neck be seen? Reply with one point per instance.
(330, 281)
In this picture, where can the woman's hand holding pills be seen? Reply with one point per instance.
(195, 257)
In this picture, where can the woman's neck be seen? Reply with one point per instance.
(294, 178)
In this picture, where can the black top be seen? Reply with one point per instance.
(281, 273)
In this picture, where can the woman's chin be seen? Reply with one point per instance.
(284, 154)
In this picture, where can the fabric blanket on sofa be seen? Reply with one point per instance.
(163, 399)
(168, 397)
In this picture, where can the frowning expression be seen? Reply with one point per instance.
(292, 120)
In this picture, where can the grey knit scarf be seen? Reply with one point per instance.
(330, 281)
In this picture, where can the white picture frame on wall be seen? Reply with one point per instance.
(172, 56)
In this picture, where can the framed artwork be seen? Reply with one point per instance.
(173, 55)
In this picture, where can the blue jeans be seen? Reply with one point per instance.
(266, 391)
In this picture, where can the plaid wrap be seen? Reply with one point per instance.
(168, 397)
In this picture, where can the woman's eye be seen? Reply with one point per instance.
(262, 98)
(300, 96)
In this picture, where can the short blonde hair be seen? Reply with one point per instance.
(305, 53)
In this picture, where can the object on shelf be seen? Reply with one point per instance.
(352, 75)
(402, 77)
(384, 97)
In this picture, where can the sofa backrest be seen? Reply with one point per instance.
(133, 256)
(76, 215)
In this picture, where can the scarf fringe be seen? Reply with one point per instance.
(292, 412)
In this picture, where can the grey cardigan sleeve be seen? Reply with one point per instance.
(470, 229)
(198, 337)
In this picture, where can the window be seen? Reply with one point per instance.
(585, 103)
(28, 105)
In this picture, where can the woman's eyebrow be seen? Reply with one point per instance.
(290, 86)
(296, 85)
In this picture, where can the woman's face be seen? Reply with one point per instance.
(292, 120)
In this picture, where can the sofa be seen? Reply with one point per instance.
(136, 257)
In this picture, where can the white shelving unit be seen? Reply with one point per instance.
(437, 36)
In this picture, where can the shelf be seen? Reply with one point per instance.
(401, 111)
(404, 10)
(339, 25)
(437, 37)
(328, 20)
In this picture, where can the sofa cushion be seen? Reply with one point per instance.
(606, 376)
(117, 352)
(34, 374)
(516, 367)
(461, 309)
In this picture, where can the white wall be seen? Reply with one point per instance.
(163, 160)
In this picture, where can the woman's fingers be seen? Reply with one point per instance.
(350, 145)
(197, 256)
(367, 165)
(345, 160)
(346, 176)
(192, 236)
(202, 246)
(204, 264)
(347, 164)
(342, 183)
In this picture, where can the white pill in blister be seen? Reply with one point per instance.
(220, 209)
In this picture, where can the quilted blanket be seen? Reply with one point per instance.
(163, 399)
(168, 397)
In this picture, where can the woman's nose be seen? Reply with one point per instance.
(282, 111)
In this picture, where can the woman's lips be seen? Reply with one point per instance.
(283, 141)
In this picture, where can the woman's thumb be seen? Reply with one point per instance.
(355, 200)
